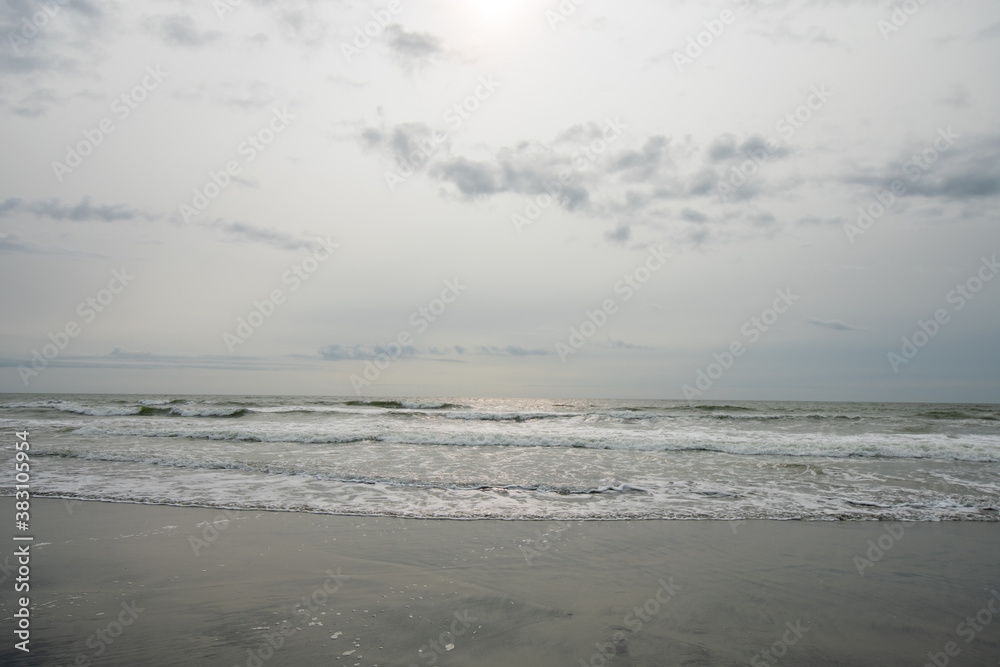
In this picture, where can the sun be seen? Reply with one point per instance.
(494, 11)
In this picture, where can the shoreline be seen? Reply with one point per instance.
(214, 586)
(988, 518)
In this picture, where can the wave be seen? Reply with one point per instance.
(814, 417)
(954, 414)
(511, 416)
(245, 466)
(208, 412)
(140, 409)
(404, 405)
(897, 446)
(76, 408)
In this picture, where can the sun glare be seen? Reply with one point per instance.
(494, 11)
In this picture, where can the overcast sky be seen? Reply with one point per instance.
(325, 170)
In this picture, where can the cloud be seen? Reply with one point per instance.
(619, 344)
(959, 98)
(10, 204)
(726, 148)
(412, 47)
(836, 325)
(510, 350)
(35, 103)
(620, 234)
(13, 245)
(472, 178)
(817, 220)
(407, 144)
(180, 30)
(69, 42)
(641, 165)
(780, 32)
(968, 169)
(967, 173)
(247, 233)
(990, 32)
(249, 95)
(585, 172)
(692, 215)
(83, 211)
(121, 359)
(336, 352)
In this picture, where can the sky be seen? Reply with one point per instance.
(711, 200)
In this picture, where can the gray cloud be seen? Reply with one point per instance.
(13, 244)
(620, 234)
(412, 47)
(990, 32)
(409, 145)
(33, 54)
(692, 215)
(970, 169)
(836, 325)
(617, 344)
(474, 178)
(643, 164)
(83, 211)
(626, 187)
(336, 352)
(817, 220)
(180, 30)
(121, 359)
(247, 233)
(510, 350)
(35, 103)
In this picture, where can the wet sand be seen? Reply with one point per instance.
(122, 584)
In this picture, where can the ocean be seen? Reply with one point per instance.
(476, 458)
